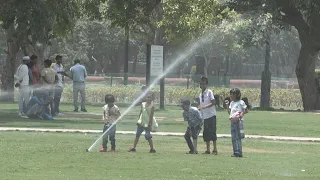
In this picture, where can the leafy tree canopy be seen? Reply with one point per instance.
(122, 13)
(191, 18)
(304, 16)
(38, 20)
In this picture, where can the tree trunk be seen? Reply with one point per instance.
(42, 52)
(159, 31)
(8, 72)
(305, 71)
(126, 61)
(266, 79)
(135, 61)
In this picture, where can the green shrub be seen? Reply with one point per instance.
(127, 94)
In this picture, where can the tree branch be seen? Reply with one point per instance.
(294, 17)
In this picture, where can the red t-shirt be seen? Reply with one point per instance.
(35, 75)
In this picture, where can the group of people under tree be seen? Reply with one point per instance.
(40, 90)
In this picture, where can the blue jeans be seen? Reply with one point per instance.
(236, 139)
(111, 134)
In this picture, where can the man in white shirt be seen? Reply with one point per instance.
(22, 82)
(208, 110)
(58, 67)
(79, 75)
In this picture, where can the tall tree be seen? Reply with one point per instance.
(190, 20)
(259, 34)
(29, 26)
(304, 16)
(127, 14)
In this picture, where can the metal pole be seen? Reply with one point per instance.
(162, 82)
(148, 65)
(126, 63)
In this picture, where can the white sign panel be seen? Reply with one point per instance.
(156, 62)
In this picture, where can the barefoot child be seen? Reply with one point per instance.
(193, 117)
(237, 109)
(146, 123)
(111, 113)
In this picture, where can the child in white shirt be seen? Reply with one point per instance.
(237, 109)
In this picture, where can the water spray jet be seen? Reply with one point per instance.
(188, 52)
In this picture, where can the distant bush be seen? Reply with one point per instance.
(127, 94)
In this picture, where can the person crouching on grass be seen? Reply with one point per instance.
(111, 113)
(193, 117)
(146, 122)
(237, 109)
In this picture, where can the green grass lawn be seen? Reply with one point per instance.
(170, 120)
(38, 156)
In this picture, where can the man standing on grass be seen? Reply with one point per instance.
(79, 75)
(49, 79)
(22, 82)
(208, 110)
(58, 67)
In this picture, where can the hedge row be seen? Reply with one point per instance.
(127, 94)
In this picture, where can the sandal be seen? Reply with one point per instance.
(132, 150)
(152, 151)
(215, 152)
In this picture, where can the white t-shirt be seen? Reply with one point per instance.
(207, 98)
(58, 68)
(22, 75)
(237, 106)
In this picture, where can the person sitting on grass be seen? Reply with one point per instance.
(111, 113)
(193, 116)
(146, 122)
(36, 106)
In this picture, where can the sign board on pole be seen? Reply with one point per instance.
(156, 63)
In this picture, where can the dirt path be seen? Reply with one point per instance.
(283, 138)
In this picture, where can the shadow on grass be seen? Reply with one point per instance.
(8, 116)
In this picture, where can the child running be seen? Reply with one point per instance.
(111, 113)
(146, 122)
(237, 109)
(193, 117)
